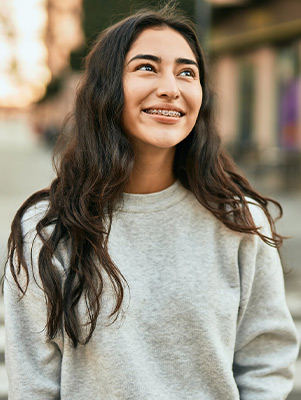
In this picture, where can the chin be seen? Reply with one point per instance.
(165, 144)
(167, 140)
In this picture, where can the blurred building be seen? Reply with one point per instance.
(36, 39)
(256, 56)
(63, 34)
(23, 68)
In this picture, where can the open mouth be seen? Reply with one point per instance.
(165, 113)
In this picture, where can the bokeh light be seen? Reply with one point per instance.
(24, 71)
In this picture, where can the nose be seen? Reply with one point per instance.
(168, 86)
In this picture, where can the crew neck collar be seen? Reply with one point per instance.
(145, 203)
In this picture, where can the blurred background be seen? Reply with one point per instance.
(254, 50)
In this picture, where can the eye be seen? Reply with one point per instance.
(187, 72)
(146, 67)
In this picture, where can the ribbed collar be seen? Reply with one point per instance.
(146, 203)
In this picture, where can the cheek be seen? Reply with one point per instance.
(198, 98)
(135, 91)
(194, 99)
(195, 103)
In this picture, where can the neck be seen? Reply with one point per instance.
(152, 172)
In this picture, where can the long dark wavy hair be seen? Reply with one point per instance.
(93, 169)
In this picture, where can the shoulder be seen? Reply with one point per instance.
(255, 210)
(259, 216)
(33, 240)
(25, 245)
(254, 250)
(32, 216)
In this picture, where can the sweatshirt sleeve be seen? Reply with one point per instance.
(266, 345)
(33, 363)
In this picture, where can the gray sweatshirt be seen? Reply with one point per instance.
(205, 316)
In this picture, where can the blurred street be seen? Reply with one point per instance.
(26, 167)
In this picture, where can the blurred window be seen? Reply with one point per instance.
(246, 103)
(289, 95)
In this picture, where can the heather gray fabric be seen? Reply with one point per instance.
(205, 318)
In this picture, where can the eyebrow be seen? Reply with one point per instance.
(186, 61)
(151, 57)
(146, 57)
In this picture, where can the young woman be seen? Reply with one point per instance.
(149, 269)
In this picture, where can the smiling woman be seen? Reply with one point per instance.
(149, 268)
(166, 77)
(162, 100)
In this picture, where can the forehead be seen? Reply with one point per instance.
(161, 41)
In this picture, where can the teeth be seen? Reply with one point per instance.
(168, 113)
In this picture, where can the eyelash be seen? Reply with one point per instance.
(145, 66)
(153, 69)
(191, 72)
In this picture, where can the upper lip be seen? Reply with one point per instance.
(165, 107)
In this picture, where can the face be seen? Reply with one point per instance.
(162, 90)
